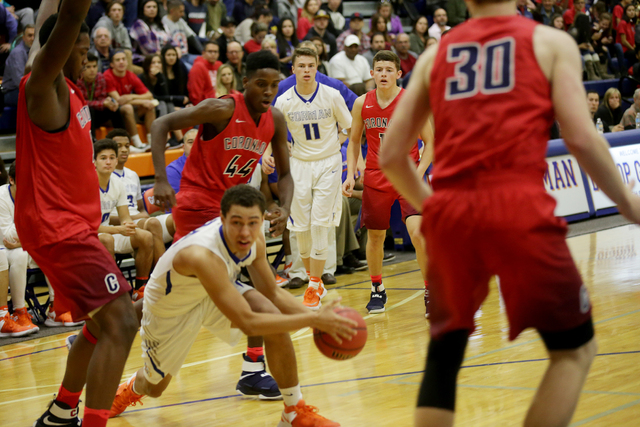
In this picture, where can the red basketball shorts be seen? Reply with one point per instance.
(377, 198)
(193, 210)
(81, 271)
(481, 229)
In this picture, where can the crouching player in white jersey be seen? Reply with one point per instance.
(313, 111)
(187, 291)
(124, 238)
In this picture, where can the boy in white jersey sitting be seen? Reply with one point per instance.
(187, 291)
(157, 226)
(313, 112)
(124, 238)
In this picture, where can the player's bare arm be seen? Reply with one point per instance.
(427, 137)
(216, 112)
(354, 147)
(133, 99)
(47, 8)
(280, 215)
(46, 91)
(410, 116)
(560, 61)
(197, 261)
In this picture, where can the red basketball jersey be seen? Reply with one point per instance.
(491, 102)
(376, 120)
(230, 157)
(57, 184)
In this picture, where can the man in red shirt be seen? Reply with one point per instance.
(407, 58)
(488, 213)
(203, 74)
(57, 218)
(127, 89)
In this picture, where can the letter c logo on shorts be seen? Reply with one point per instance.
(111, 280)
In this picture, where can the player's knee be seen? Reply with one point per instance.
(304, 243)
(444, 359)
(145, 238)
(126, 109)
(107, 241)
(117, 320)
(153, 226)
(320, 243)
(260, 304)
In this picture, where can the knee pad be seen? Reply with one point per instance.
(4, 263)
(320, 242)
(304, 243)
(438, 389)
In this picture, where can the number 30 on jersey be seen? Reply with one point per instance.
(488, 69)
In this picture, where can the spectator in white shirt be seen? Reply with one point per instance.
(440, 24)
(180, 32)
(351, 68)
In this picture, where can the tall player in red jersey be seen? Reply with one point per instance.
(234, 132)
(488, 213)
(58, 213)
(373, 112)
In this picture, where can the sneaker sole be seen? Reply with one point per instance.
(324, 294)
(15, 334)
(376, 310)
(259, 396)
(315, 308)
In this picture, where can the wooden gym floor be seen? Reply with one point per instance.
(379, 387)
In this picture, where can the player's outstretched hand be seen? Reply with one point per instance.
(278, 218)
(347, 186)
(631, 209)
(337, 326)
(163, 195)
(268, 165)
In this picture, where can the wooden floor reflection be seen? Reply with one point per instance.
(379, 387)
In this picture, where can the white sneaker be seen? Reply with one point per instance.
(63, 319)
(142, 149)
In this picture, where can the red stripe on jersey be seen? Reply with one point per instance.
(230, 157)
(490, 100)
(58, 193)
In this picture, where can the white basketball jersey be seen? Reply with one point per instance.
(170, 294)
(7, 209)
(131, 182)
(312, 120)
(111, 198)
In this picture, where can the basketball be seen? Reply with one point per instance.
(348, 349)
(147, 200)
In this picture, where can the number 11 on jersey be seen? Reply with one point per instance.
(307, 131)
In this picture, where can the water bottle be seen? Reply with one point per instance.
(637, 120)
(600, 126)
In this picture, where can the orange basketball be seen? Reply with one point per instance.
(147, 200)
(348, 349)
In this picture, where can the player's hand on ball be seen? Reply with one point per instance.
(278, 218)
(337, 326)
(163, 195)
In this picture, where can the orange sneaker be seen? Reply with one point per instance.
(281, 281)
(311, 298)
(303, 415)
(125, 397)
(63, 319)
(138, 294)
(9, 328)
(22, 317)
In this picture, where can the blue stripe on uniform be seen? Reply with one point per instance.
(155, 368)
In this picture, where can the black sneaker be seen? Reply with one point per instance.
(343, 269)
(350, 260)
(59, 415)
(426, 303)
(377, 301)
(255, 381)
(388, 257)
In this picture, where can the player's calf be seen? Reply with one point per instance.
(142, 241)
(153, 226)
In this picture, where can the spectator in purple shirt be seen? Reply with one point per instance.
(8, 33)
(147, 32)
(14, 67)
(174, 169)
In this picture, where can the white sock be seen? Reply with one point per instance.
(380, 288)
(137, 142)
(291, 395)
(5, 312)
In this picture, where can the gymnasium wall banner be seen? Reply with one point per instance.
(563, 180)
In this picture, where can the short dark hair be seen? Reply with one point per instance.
(257, 27)
(593, 91)
(387, 55)
(114, 53)
(111, 4)
(50, 23)
(12, 171)
(208, 42)
(242, 195)
(172, 4)
(91, 57)
(102, 145)
(260, 60)
(118, 132)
